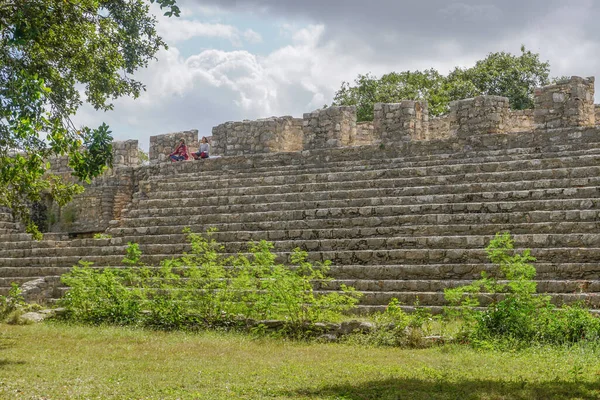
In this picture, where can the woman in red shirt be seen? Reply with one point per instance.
(180, 153)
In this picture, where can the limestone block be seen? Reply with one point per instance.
(565, 104)
(439, 128)
(479, 115)
(329, 127)
(268, 135)
(364, 134)
(520, 121)
(400, 122)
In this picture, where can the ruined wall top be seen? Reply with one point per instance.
(329, 127)
(565, 104)
(268, 135)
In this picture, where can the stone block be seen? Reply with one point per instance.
(329, 128)
(400, 122)
(479, 115)
(566, 104)
(271, 135)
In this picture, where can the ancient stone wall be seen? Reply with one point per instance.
(479, 115)
(163, 145)
(329, 127)
(103, 199)
(520, 121)
(597, 114)
(364, 134)
(400, 122)
(269, 135)
(125, 153)
(565, 104)
(439, 128)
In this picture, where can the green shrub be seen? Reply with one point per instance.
(11, 303)
(516, 313)
(395, 327)
(99, 296)
(204, 288)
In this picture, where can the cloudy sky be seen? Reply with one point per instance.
(230, 60)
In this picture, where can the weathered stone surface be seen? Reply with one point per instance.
(479, 115)
(33, 317)
(348, 327)
(566, 104)
(400, 122)
(364, 134)
(329, 127)
(520, 121)
(439, 128)
(270, 135)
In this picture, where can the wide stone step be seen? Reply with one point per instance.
(366, 233)
(439, 285)
(113, 255)
(176, 207)
(167, 191)
(385, 170)
(457, 272)
(96, 247)
(294, 162)
(461, 271)
(465, 192)
(165, 235)
(347, 213)
(437, 298)
(458, 223)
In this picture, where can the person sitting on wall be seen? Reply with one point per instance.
(203, 150)
(180, 153)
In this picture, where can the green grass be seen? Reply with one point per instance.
(54, 361)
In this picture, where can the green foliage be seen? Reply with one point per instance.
(143, 156)
(12, 302)
(204, 288)
(49, 51)
(392, 88)
(100, 296)
(394, 327)
(516, 313)
(102, 236)
(133, 254)
(501, 74)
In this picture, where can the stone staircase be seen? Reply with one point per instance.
(7, 222)
(401, 221)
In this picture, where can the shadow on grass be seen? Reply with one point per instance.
(466, 389)
(6, 363)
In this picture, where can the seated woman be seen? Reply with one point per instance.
(180, 153)
(203, 150)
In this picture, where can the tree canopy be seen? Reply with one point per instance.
(54, 55)
(501, 74)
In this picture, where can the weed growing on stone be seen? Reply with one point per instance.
(102, 236)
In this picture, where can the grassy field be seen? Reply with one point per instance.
(53, 361)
